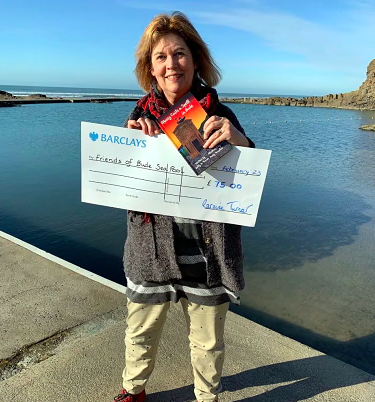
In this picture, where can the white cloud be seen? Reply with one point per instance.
(345, 45)
(346, 48)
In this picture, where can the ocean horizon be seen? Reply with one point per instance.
(82, 92)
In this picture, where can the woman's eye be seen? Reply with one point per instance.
(160, 57)
(180, 54)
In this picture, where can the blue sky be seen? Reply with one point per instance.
(262, 46)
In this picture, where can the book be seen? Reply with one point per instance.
(183, 124)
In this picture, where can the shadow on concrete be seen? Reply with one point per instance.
(182, 394)
(314, 376)
(310, 377)
(302, 225)
(359, 352)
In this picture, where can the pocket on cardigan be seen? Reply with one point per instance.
(139, 251)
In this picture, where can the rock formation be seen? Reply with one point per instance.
(37, 96)
(362, 98)
(6, 95)
(368, 127)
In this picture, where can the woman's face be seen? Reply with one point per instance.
(173, 67)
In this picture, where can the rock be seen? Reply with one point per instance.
(368, 127)
(5, 95)
(37, 96)
(362, 98)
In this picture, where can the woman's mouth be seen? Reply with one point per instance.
(174, 77)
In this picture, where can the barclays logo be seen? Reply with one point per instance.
(117, 140)
(94, 136)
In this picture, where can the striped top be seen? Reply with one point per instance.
(189, 245)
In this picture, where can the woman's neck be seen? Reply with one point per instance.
(171, 99)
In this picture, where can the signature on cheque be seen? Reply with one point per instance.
(233, 207)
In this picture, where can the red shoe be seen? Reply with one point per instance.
(124, 396)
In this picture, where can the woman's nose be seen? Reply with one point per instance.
(171, 62)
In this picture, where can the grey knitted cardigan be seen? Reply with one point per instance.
(149, 253)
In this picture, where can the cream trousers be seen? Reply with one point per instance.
(206, 330)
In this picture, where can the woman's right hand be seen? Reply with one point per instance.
(148, 126)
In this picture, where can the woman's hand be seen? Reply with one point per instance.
(225, 130)
(148, 126)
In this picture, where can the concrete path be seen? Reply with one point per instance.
(61, 339)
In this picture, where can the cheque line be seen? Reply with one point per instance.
(152, 181)
(232, 212)
(140, 189)
(140, 167)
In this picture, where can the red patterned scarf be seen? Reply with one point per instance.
(155, 103)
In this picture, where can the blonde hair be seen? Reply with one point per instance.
(206, 69)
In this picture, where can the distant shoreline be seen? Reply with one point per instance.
(328, 101)
(361, 99)
(8, 100)
(311, 101)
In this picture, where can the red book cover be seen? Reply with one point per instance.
(183, 124)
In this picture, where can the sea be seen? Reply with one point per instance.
(310, 260)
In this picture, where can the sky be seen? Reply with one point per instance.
(299, 47)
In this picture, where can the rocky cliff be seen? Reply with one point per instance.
(362, 98)
(6, 95)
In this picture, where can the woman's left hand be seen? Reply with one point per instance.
(224, 131)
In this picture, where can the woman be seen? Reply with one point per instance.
(167, 258)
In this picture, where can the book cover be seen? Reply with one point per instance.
(183, 124)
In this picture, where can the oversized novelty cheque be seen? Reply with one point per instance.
(123, 168)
